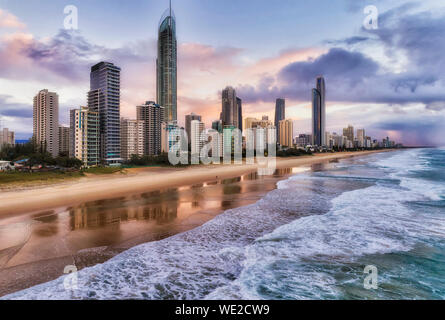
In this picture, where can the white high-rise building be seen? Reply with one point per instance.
(361, 137)
(84, 136)
(197, 141)
(132, 138)
(46, 121)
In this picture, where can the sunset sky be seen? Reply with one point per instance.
(390, 81)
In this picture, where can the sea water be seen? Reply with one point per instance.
(311, 238)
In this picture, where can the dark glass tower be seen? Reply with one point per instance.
(104, 98)
(229, 114)
(239, 106)
(280, 112)
(319, 113)
(166, 75)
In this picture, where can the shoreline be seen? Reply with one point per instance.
(22, 276)
(102, 188)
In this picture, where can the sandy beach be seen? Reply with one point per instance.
(88, 221)
(98, 188)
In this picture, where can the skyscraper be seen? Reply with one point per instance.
(166, 71)
(319, 113)
(6, 137)
(132, 138)
(46, 121)
(197, 142)
(64, 139)
(84, 136)
(361, 138)
(153, 116)
(104, 98)
(280, 112)
(231, 114)
(286, 132)
(349, 133)
(188, 119)
(239, 106)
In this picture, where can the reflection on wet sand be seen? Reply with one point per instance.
(130, 220)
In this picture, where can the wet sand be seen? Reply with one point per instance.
(35, 247)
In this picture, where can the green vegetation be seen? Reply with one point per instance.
(291, 152)
(37, 155)
(31, 177)
(161, 160)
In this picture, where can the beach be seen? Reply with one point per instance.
(95, 188)
(91, 220)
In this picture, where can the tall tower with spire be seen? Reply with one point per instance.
(166, 65)
(319, 113)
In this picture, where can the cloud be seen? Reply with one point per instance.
(8, 20)
(427, 130)
(11, 109)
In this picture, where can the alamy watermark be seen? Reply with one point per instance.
(371, 280)
(70, 282)
(209, 147)
(71, 21)
(371, 21)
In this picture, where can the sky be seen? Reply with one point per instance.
(389, 80)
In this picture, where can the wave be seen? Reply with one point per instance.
(292, 244)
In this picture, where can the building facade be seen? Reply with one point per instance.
(280, 112)
(197, 141)
(153, 116)
(104, 98)
(132, 138)
(319, 113)
(84, 136)
(349, 133)
(46, 121)
(188, 120)
(64, 140)
(286, 128)
(166, 66)
(239, 107)
(361, 138)
(6, 137)
(231, 114)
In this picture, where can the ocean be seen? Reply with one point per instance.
(310, 238)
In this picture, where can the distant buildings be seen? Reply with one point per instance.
(285, 129)
(64, 140)
(319, 113)
(280, 112)
(361, 139)
(6, 137)
(303, 140)
(188, 120)
(256, 123)
(104, 98)
(349, 133)
(84, 136)
(46, 121)
(132, 138)
(166, 66)
(153, 116)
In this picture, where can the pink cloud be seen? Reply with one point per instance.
(8, 20)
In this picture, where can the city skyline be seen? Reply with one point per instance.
(380, 117)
